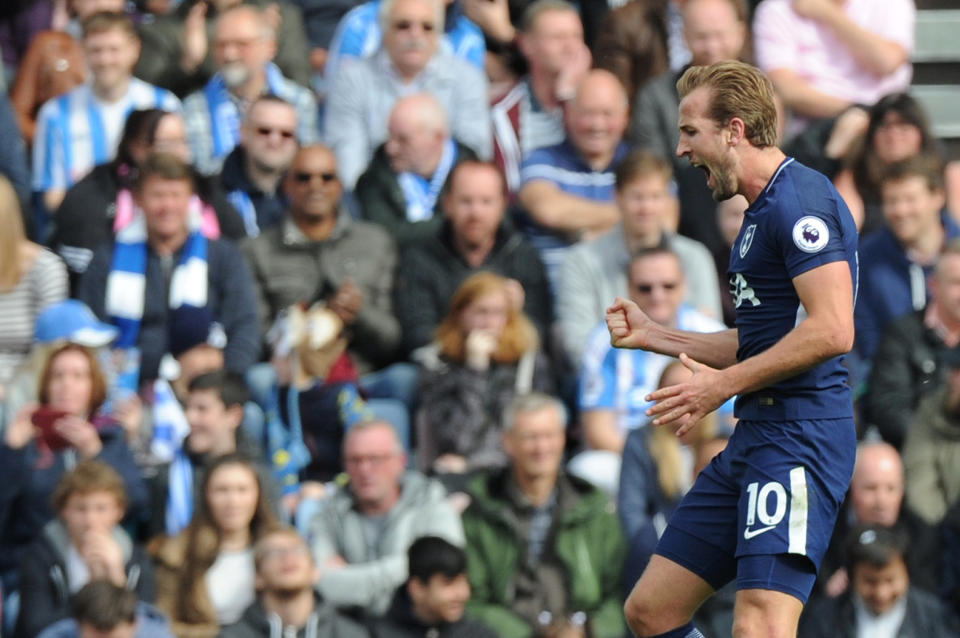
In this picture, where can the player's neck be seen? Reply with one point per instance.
(757, 168)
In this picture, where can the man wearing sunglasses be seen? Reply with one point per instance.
(318, 253)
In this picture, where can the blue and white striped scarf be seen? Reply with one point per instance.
(126, 284)
(179, 509)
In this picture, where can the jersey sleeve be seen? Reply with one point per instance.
(598, 375)
(811, 237)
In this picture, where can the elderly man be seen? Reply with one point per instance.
(318, 253)
(162, 265)
(595, 272)
(81, 128)
(401, 187)
(544, 550)
(244, 45)
(876, 498)
(530, 115)
(567, 189)
(365, 90)
(361, 536)
(907, 366)
(473, 237)
(253, 172)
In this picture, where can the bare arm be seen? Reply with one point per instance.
(827, 294)
(631, 328)
(800, 96)
(601, 431)
(553, 208)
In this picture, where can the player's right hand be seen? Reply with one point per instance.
(628, 325)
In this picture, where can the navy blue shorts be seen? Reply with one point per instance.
(775, 490)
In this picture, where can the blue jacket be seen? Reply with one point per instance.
(891, 285)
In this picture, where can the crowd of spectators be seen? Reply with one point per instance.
(302, 312)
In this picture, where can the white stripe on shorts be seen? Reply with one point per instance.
(798, 511)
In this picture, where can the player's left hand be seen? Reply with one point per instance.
(681, 406)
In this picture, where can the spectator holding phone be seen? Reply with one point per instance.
(42, 442)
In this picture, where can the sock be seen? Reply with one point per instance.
(687, 631)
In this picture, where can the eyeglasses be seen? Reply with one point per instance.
(646, 289)
(406, 25)
(266, 131)
(302, 177)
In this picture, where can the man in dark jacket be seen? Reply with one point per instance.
(85, 542)
(401, 187)
(287, 605)
(473, 237)
(881, 602)
(433, 601)
(906, 366)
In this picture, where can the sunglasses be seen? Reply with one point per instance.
(305, 178)
(406, 25)
(646, 289)
(265, 131)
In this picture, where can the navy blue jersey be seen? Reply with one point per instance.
(797, 223)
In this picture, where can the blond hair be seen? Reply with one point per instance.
(737, 90)
(12, 238)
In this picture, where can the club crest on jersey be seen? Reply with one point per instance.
(747, 240)
(810, 234)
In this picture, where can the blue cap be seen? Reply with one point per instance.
(72, 321)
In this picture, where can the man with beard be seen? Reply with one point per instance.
(762, 511)
(473, 237)
(243, 47)
(287, 604)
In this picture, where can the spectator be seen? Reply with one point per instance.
(31, 278)
(485, 353)
(473, 237)
(360, 34)
(714, 30)
(544, 550)
(907, 366)
(615, 382)
(53, 65)
(931, 447)
(214, 412)
(361, 535)
(897, 129)
(632, 41)
(567, 189)
(896, 260)
(321, 18)
(595, 272)
(42, 442)
(84, 543)
(206, 573)
(207, 274)
(13, 160)
(824, 56)
(876, 498)
(102, 609)
(882, 601)
(80, 129)
(177, 47)
(101, 204)
(244, 45)
(400, 190)
(253, 172)
(434, 600)
(287, 604)
(530, 114)
(409, 61)
(319, 253)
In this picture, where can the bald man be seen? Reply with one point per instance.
(567, 189)
(876, 498)
(244, 45)
(401, 187)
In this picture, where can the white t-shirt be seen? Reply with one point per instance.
(230, 581)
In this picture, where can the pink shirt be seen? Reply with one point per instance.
(784, 40)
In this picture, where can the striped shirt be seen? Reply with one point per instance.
(76, 131)
(44, 284)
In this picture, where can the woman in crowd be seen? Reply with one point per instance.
(205, 574)
(42, 442)
(102, 203)
(486, 351)
(898, 128)
(31, 278)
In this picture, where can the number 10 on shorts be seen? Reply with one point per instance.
(767, 506)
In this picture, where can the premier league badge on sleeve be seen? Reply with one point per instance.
(810, 234)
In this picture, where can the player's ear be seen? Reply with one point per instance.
(736, 131)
